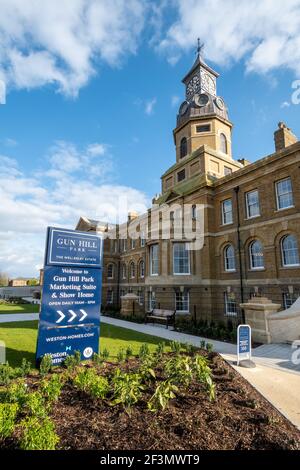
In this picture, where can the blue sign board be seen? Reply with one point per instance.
(71, 298)
(72, 248)
(244, 343)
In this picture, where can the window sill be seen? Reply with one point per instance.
(291, 266)
(253, 217)
(181, 274)
(229, 271)
(284, 209)
(182, 312)
(256, 269)
(225, 225)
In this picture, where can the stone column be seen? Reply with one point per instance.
(257, 310)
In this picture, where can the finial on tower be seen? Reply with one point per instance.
(200, 48)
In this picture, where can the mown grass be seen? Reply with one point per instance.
(20, 340)
(24, 308)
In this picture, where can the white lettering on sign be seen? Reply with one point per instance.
(66, 241)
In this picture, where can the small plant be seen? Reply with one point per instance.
(175, 347)
(144, 351)
(179, 370)
(203, 375)
(120, 355)
(72, 361)
(146, 369)
(97, 359)
(89, 382)
(128, 353)
(35, 404)
(6, 374)
(189, 348)
(8, 413)
(127, 389)
(17, 393)
(160, 349)
(163, 394)
(38, 434)
(209, 347)
(51, 388)
(25, 367)
(105, 354)
(46, 364)
(202, 344)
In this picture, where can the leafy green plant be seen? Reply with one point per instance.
(146, 369)
(25, 367)
(175, 347)
(120, 355)
(46, 364)
(6, 374)
(35, 404)
(17, 393)
(203, 375)
(97, 359)
(127, 388)
(51, 389)
(105, 354)
(164, 392)
(144, 351)
(202, 344)
(72, 361)
(89, 382)
(179, 370)
(209, 347)
(8, 413)
(38, 434)
(189, 348)
(160, 349)
(128, 353)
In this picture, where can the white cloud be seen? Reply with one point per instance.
(265, 33)
(62, 41)
(149, 106)
(175, 100)
(68, 187)
(285, 104)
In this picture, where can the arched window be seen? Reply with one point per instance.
(229, 258)
(110, 271)
(124, 271)
(256, 254)
(289, 250)
(132, 269)
(142, 268)
(194, 212)
(223, 143)
(183, 147)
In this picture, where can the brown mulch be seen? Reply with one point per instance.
(240, 418)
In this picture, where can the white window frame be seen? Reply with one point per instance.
(189, 259)
(151, 260)
(227, 301)
(112, 272)
(256, 268)
(124, 271)
(141, 296)
(187, 301)
(111, 300)
(248, 205)
(284, 265)
(132, 243)
(132, 264)
(227, 270)
(142, 275)
(224, 213)
(278, 196)
(151, 300)
(143, 240)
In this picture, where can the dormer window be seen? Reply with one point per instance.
(183, 147)
(223, 143)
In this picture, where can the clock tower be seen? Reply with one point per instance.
(203, 116)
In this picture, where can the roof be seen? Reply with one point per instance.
(199, 62)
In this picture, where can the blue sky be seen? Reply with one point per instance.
(89, 116)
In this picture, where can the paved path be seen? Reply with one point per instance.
(13, 317)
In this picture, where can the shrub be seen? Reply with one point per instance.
(8, 413)
(51, 389)
(38, 434)
(120, 355)
(35, 404)
(163, 394)
(89, 382)
(6, 374)
(175, 347)
(46, 364)
(144, 351)
(97, 359)
(202, 344)
(128, 352)
(127, 388)
(179, 370)
(17, 393)
(25, 367)
(209, 347)
(72, 361)
(105, 354)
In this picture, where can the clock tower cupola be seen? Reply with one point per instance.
(203, 116)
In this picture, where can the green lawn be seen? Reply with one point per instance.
(20, 340)
(24, 308)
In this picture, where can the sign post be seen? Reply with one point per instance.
(71, 298)
(244, 350)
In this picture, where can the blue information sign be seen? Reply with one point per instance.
(71, 299)
(244, 343)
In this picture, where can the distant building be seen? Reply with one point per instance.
(22, 282)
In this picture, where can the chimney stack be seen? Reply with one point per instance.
(284, 137)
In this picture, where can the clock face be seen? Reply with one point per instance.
(201, 100)
(193, 86)
(208, 83)
(183, 108)
(220, 103)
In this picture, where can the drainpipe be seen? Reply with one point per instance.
(236, 190)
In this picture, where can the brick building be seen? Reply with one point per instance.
(250, 215)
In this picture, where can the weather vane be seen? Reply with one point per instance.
(200, 47)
